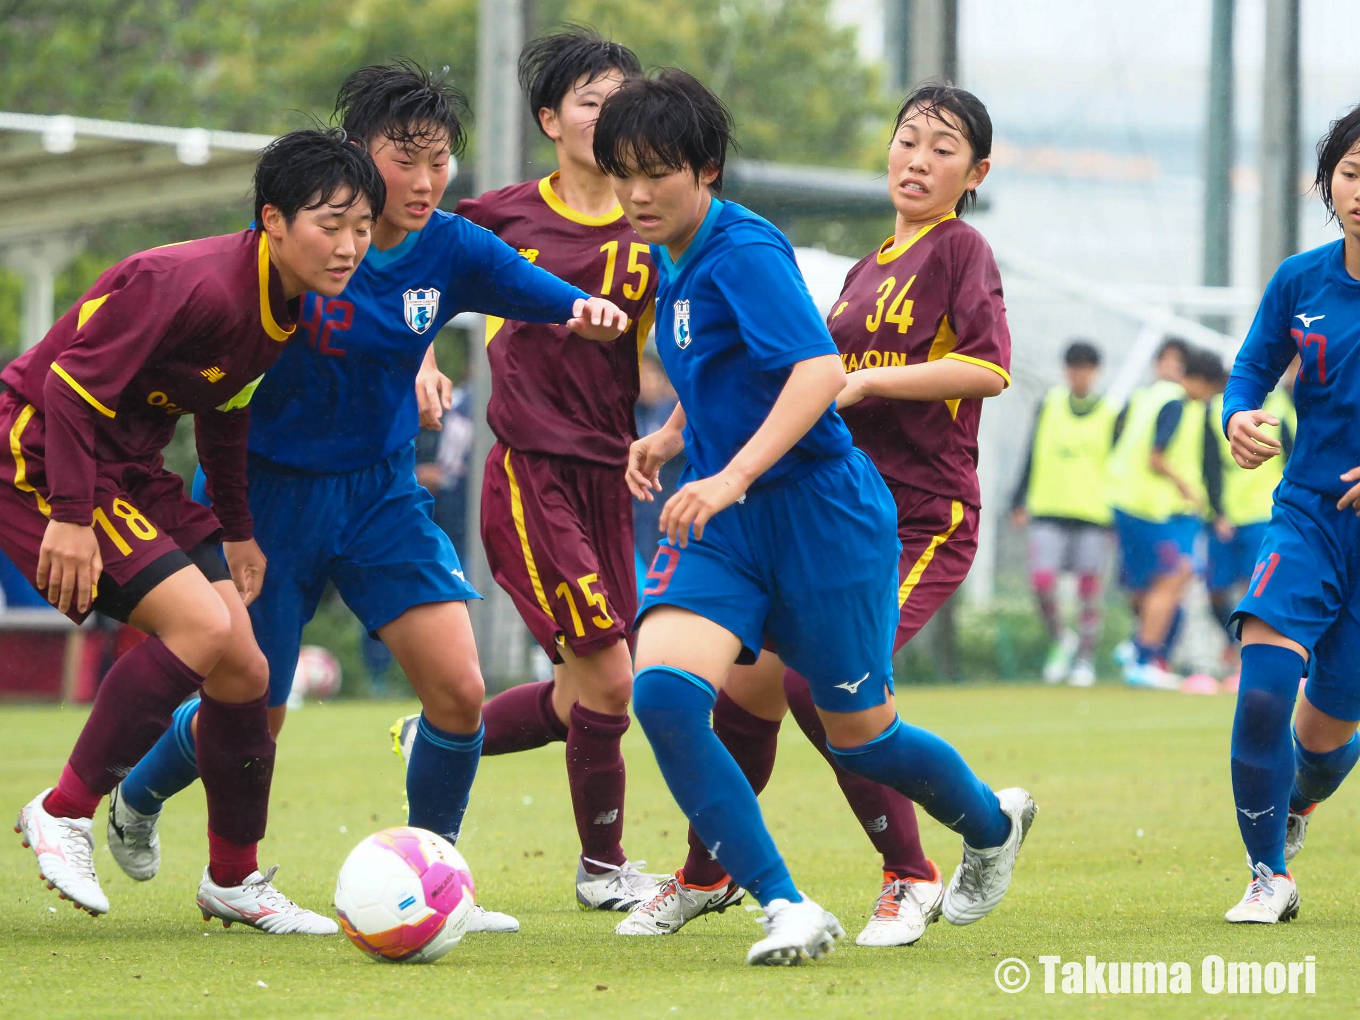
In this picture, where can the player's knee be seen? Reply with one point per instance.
(1043, 581)
(610, 692)
(1088, 586)
(453, 701)
(204, 624)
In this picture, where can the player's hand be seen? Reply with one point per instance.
(1250, 446)
(597, 319)
(434, 396)
(645, 458)
(1019, 517)
(1224, 529)
(853, 392)
(246, 562)
(69, 565)
(695, 504)
(1352, 497)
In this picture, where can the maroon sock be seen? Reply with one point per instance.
(596, 774)
(132, 709)
(236, 761)
(71, 798)
(887, 816)
(520, 719)
(752, 741)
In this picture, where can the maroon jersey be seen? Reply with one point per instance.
(551, 391)
(937, 295)
(184, 329)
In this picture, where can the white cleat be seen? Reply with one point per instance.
(133, 840)
(795, 932)
(983, 876)
(491, 921)
(1295, 829)
(65, 851)
(1125, 653)
(905, 908)
(257, 903)
(676, 904)
(623, 889)
(1152, 676)
(403, 733)
(1269, 899)
(1060, 656)
(1083, 674)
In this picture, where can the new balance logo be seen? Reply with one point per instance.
(1253, 815)
(607, 817)
(1308, 320)
(213, 374)
(879, 824)
(853, 688)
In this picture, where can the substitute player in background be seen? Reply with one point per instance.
(754, 552)
(89, 511)
(921, 330)
(1061, 496)
(1302, 607)
(556, 516)
(332, 466)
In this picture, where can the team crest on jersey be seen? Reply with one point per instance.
(421, 307)
(682, 333)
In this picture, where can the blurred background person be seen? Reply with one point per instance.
(1062, 496)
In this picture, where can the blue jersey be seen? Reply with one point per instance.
(342, 396)
(733, 316)
(1311, 308)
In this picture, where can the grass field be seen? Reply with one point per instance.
(1134, 857)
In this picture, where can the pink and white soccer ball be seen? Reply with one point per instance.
(405, 896)
(317, 674)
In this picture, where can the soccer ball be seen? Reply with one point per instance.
(317, 673)
(404, 895)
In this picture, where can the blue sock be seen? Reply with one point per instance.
(674, 708)
(1318, 774)
(919, 765)
(1172, 633)
(1262, 751)
(439, 777)
(170, 765)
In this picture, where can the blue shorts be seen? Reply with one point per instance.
(1306, 585)
(370, 532)
(1232, 562)
(1151, 549)
(809, 569)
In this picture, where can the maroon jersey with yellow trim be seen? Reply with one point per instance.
(936, 295)
(553, 392)
(185, 329)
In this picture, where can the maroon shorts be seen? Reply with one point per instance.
(558, 534)
(141, 514)
(939, 540)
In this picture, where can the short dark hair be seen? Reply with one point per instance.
(404, 103)
(1204, 364)
(1081, 352)
(1173, 343)
(935, 97)
(1341, 138)
(309, 169)
(549, 66)
(668, 122)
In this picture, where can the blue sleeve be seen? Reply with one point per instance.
(1265, 354)
(778, 319)
(1167, 420)
(500, 281)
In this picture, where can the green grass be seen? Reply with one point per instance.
(1134, 856)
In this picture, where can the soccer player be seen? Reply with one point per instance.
(89, 512)
(1300, 609)
(1061, 496)
(556, 515)
(774, 494)
(332, 470)
(1161, 472)
(1245, 507)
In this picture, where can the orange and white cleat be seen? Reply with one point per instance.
(65, 851)
(905, 909)
(676, 904)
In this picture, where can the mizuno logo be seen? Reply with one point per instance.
(213, 374)
(853, 688)
(458, 574)
(1308, 320)
(1253, 815)
(713, 854)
